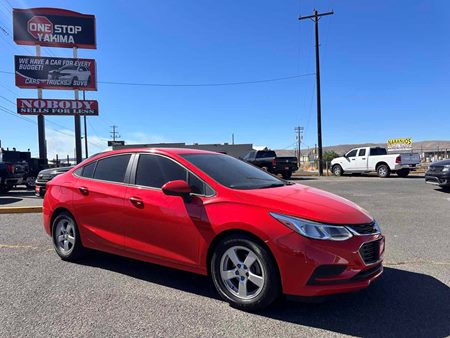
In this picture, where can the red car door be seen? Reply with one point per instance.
(99, 203)
(158, 226)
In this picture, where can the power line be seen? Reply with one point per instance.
(196, 84)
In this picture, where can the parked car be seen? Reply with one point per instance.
(438, 173)
(269, 161)
(256, 235)
(45, 176)
(72, 74)
(375, 159)
(12, 170)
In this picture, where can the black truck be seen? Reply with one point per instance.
(268, 160)
(12, 170)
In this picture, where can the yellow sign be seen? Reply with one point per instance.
(404, 143)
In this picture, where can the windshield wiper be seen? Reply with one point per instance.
(273, 185)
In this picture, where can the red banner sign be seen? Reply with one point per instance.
(53, 27)
(57, 107)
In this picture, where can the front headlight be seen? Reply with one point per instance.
(312, 229)
(446, 167)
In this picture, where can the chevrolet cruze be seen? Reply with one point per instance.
(257, 236)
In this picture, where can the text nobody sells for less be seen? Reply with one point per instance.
(57, 107)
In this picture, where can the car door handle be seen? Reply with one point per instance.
(137, 202)
(84, 190)
(363, 158)
(353, 159)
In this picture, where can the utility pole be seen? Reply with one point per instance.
(114, 133)
(299, 137)
(316, 17)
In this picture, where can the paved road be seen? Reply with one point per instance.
(20, 197)
(104, 295)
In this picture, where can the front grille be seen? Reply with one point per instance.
(370, 252)
(364, 229)
(435, 168)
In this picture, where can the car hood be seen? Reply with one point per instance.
(307, 203)
(55, 171)
(440, 163)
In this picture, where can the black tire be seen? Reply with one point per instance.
(337, 170)
(75, 249)
(30, 182)
(265, 263)
(286, 175)
(383, 171)
(403, 172)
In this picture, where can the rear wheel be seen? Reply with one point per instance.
(403, 172)
(286, 175)
(30, 182)
(337, 170)
(245, 274)
(66, 237)
(383, 171)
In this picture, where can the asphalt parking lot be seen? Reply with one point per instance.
(105, 295)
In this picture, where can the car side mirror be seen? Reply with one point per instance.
(177, 188)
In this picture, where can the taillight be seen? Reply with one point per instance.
(10, 169)
(398, 159)
(273, 162)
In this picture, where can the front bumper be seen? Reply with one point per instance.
(318, 268)
(39, 189)
(438, 178)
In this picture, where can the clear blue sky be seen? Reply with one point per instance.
(385, 72)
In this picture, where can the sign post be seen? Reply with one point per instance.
(55, 27)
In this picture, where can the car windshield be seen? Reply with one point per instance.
(233, 173)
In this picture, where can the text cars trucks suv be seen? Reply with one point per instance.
(369, 159)
(268, 160)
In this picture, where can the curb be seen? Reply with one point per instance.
(20, 210)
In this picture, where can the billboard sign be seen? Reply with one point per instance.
(54, 27)
(57, 107)
(55, 73)
(396, 144)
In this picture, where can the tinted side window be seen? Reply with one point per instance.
(112, 168)
(377, 151)
(155, 171)
(352, 153)
(362, 152)
(88, 170)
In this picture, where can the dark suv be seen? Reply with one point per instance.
(439, 174)
(46, 175)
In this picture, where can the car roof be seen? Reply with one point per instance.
(164, 151)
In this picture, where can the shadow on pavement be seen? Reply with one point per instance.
(400, 304)
(444, 190)
(9, 200)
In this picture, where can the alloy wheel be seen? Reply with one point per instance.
(65, 235)
(242, 272)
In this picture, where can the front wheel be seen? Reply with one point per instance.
(66, 237)
(383, 171)
(245, 273)
(337, 170)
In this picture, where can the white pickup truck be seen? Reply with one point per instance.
(368, 159)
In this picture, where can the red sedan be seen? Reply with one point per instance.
(209, 213)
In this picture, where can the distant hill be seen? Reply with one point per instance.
(341, 149)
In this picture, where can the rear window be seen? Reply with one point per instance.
(263, 154)
(88, 170)
(112, 168)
